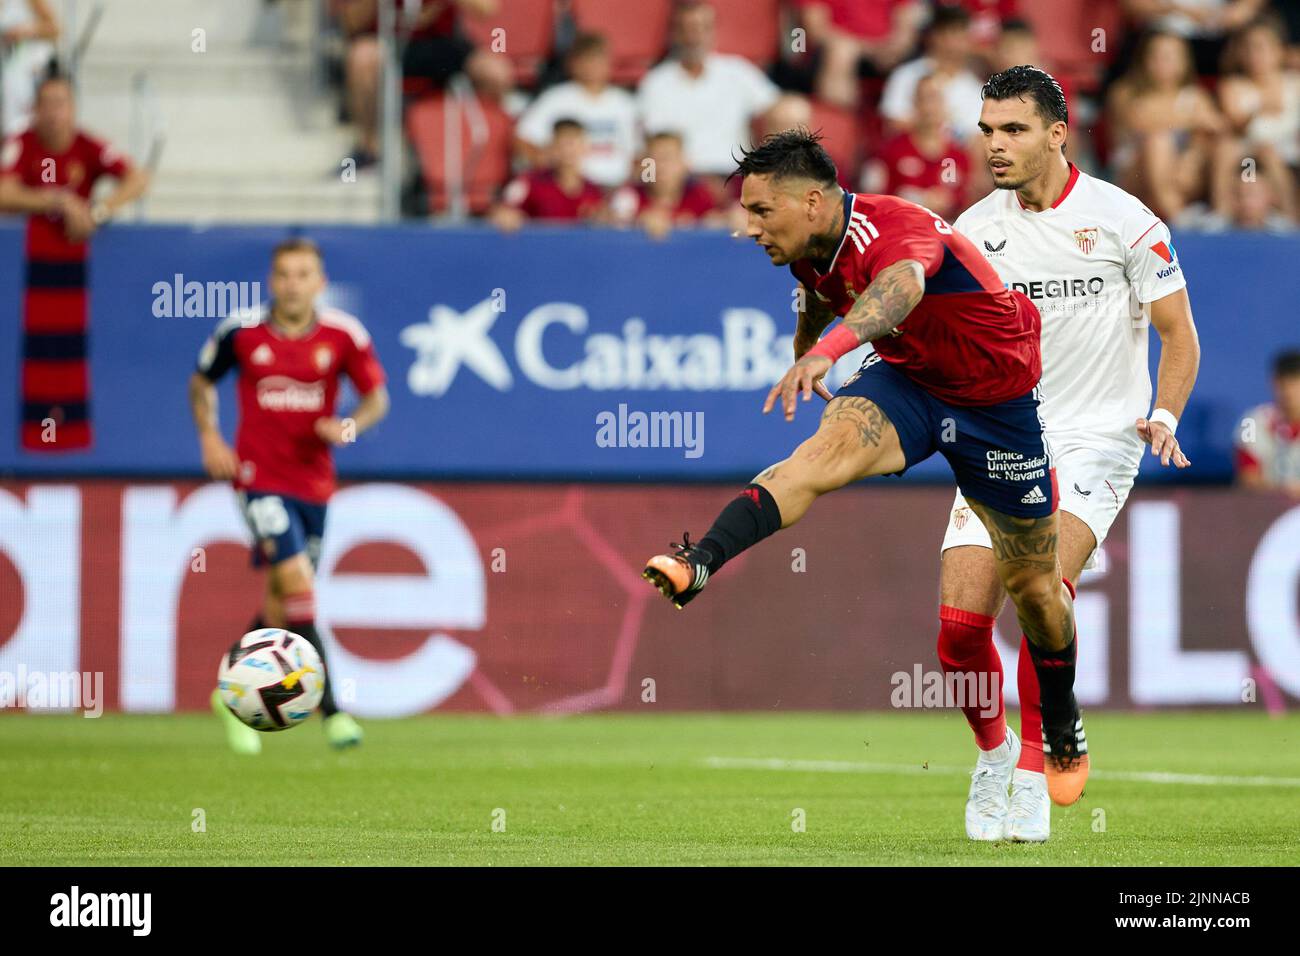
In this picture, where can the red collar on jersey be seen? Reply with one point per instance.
(844, 234)
(1069, 184)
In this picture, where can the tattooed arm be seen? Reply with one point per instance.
(892, 295)
(814, 316)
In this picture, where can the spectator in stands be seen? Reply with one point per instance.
(607, 112)
(559, 193)
(1261, 100)
(1253, 207)
(1169, 148)
(28, 30)
(947, 58)
(1268, 436)
(988, 18)
(1204, 24)
(666, 195)
(434, 52)
(853, 39)
(925, 164)
(710, 98)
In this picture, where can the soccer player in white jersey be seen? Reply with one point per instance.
(1101, 267)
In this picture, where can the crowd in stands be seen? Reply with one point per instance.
(631, 112)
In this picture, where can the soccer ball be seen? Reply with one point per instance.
(272, 679)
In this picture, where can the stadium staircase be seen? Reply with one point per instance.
(249, 135)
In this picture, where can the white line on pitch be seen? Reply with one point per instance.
(846, 766)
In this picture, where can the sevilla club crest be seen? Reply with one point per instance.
(1086, 239)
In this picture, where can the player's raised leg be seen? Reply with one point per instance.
(854, 440)
(1025, 552)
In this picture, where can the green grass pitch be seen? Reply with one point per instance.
(1211, 788)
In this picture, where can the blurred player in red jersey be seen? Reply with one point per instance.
(955, 371)
(561, 193)
(289, 358)
(48, 172)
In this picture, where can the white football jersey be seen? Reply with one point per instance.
(1089, 262)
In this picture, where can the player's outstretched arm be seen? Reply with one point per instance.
(890, 298)
(219, 459)
(1180, 358)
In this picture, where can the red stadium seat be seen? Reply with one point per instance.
(1065, 33)
(839, 130)
(484, 148)
(749, 28)
(637, 32)
(529, 27)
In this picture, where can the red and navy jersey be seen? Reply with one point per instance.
(970, 340)
(285, 385)
(76, 168)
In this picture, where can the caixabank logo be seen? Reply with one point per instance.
(559, 346)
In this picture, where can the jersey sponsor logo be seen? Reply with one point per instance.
(262, 355)
(1080, 492)
(279, 393)
(1061, 288)
(1086, 239)
(1167, 254)
(992, 248)
(861, 230)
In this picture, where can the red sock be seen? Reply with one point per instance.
(966, 647)
(1031, 718)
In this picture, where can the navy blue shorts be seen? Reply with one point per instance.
(282, 526)
(997, 452)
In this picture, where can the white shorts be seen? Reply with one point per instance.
(1093, 486)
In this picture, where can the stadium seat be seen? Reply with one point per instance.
(1065, 33)
(839, 130)
(484, 131)
(749, 28)
(529, 27)
(637, 32)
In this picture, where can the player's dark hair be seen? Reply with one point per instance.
(789, 154)
(1287, 364)
(1017, 82)
(567, 124)
(948, 17)
(585, 43)
(296, 244)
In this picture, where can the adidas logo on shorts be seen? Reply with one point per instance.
(1034, 497)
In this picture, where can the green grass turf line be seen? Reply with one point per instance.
(622, 789)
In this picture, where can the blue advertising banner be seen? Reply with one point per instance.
(554, 353)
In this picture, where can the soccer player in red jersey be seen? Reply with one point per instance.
(289, 358)
(955, 371)
(48, 172)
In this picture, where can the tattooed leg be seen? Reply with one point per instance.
(1025, 550)
(854, 440)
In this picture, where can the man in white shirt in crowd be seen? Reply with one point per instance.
(606, 112)
(947, 56)
(710, 98)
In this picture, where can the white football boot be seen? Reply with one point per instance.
(987, 804)
(1030, 818)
